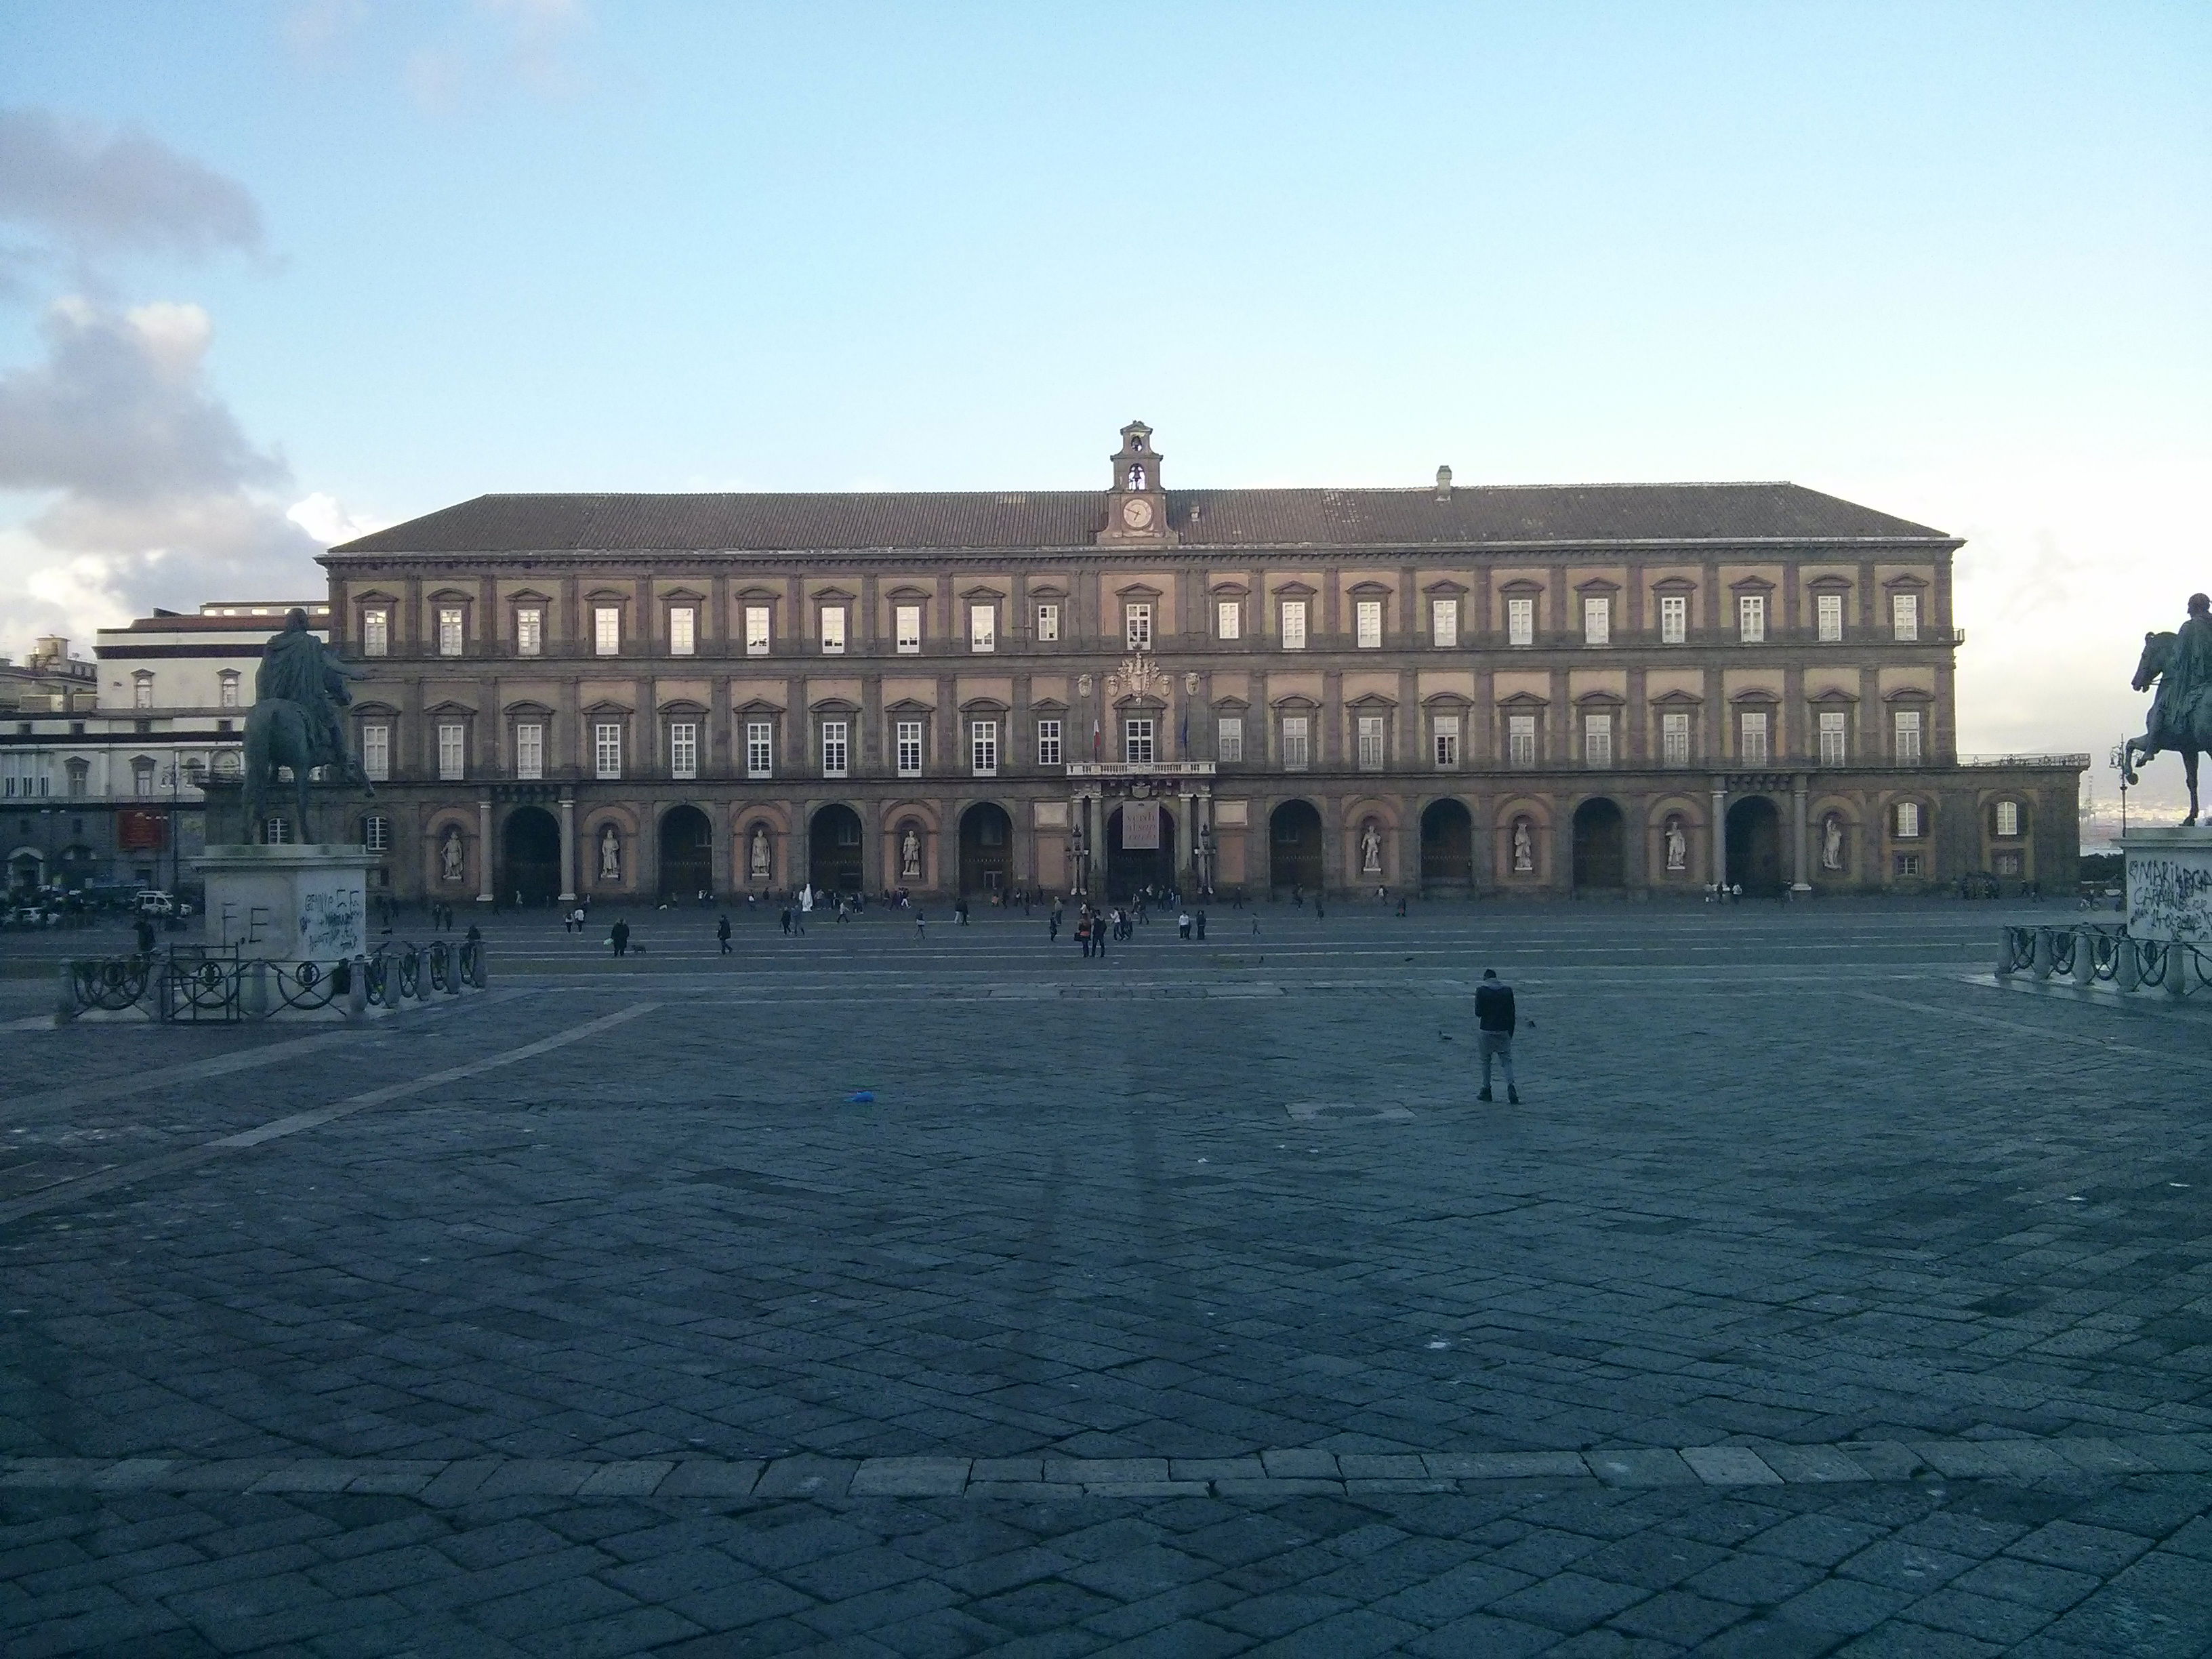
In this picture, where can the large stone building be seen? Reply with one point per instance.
(1641, 688)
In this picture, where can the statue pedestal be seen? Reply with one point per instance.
(290, 904)
(2170, 885)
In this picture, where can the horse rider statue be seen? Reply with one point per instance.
(297, 693)
(2181, 713)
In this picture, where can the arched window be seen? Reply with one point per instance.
(141, 688)
(1136, 475)
(142, 775)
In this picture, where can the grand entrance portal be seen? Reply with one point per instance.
(531, 842)
(987, 837)
(687, 852)
(1600, 845)
(1446, 846)
(1294, 846)
(1754, 845)
(1131, 868)
(833, 851)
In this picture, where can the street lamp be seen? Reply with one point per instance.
(2119, 763)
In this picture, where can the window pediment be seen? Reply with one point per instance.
(1601, 700)
(908, 706)
(1370, 590)
(450, 596)
(1447, 702)
(1228, 590)
(757, 595)
(1372, 702)
(1232, 705)
(1832, 696)
(1048, 706)
(759, 706)
(608, 705)
(1898, 584)
(682, 596)
(1755, 694)
(528, 710)
(375, 710)
(1909, 694)
(529, 596)
(447, 706)
(1751, 585)
(1294, 590)
(1445, 590)
(1828, 584)
(1297, 703)
(834, 706)
(376, 596)
(1597, 587)
(1672, 585)
(683, 706)
(983, 705)
(1678, 700)
(1525, 701)
(908, 595)
(982, 595)
(607, 596)
(832, 596)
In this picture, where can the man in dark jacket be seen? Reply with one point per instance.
(1494, 1015)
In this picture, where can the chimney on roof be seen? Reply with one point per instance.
(1443, 483)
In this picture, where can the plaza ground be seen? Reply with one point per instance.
(1184, 1303)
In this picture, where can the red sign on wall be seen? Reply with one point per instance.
(137, 830)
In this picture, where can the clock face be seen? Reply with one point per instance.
(1136, 513)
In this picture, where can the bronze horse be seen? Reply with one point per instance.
(281, 733)
(2188, 731)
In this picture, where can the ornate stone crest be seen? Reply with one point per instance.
(1138, 676)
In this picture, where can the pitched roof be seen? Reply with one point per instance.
(956, 519)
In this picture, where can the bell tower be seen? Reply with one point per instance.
(1136, 503)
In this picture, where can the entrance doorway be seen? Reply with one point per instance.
(1600, 845)
(532, 842)
(1127, 868)
(1294, 846)
(687, 852)
(986, 838)
(1447, 846)
(1754, 845)
(833, 851)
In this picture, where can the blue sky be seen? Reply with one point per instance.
(1949, 260)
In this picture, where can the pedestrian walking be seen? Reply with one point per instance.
(1496, 1018)
(621, 937)
(1201, 924)
(960, 912)
(1052, 929)
(1183, 924)
(722, 932)
(145, 929)
(783, 920)
(920, 925)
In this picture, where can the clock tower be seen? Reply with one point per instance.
(1136, 504)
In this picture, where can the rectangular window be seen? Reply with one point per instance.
(757, 629)
(1904, 616)
(832, 630)
(606, 747)
(1229, 618)
(1229, 737)
(1367, 623)
(1294, 624)
(449, 630)
(1048, 743)
(228, 691)
(1137, 627)
(142, 689)
(1674, 737)
(452, 739)
(1597, 619)
(983, 748)
(908, 629)
(1753, 748)
(1829, 610)
(982, 628)
(1048, 623)
(1369, 732)
(1907, 726)
(682, 749)
(1908, 864)
(1750, 619)
(1597, 740)
(1446, 729)
(1297, 743)
(1908, 820)
(760, 749)
(529, 751)
(2007, 817)
(1521, 739)
(376, 833)
(907, 746)
(606, 631)
(1674, 619)
(376, 633)
(1520, 622)
(529, 631)
(1835, 737)
(683, 631)
(376, 752)
(837, 748)
(1444, 624)
(1137, 742)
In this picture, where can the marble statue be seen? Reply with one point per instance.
(1370, 850)
(609, 855)
(1524, 847)
(1832, 841)
(1678, 845)
(449, 865)
(909, 856)
(757, 863)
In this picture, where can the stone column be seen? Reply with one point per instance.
(483, 850)
(567, 849)
(1720, 834)
(1797, 834)
(1094, 840)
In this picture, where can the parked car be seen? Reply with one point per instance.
(153, 903)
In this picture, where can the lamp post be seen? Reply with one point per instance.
(2119, 763)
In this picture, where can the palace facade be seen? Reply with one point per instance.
(1639, 689)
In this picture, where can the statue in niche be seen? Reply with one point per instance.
(609, 855)
(1370, 850)
(757, 859)
(1524, 848)
(1678, 844)
(1832, 841)
(450, 863)
(909, 856)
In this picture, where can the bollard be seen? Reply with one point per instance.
(2044, 951)
(2085, 956)
(2006, 962)
(483, 968)
(2127, 972)
(65, 1008)
(358, 988)
(254, 992)
(2176, 983)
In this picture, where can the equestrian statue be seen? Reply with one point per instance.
(2181, 713)
(297, 693)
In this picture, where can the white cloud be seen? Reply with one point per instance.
(323, 518)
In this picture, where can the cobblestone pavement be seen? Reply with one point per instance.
(1181, 1303)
